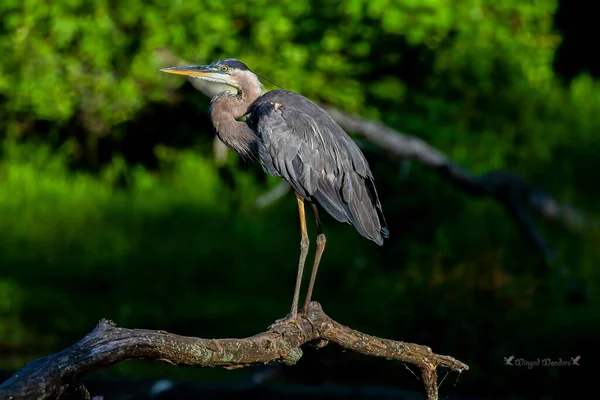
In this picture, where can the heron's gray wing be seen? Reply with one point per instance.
(304, 146)
(289, 151)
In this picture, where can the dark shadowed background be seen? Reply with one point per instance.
(113, 204)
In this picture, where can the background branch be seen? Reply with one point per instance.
(57, 375)
(510, 189)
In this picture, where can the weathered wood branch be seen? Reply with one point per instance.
(58, 374)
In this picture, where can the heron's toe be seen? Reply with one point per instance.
(288, 319)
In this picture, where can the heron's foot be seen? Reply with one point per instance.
(288, 319)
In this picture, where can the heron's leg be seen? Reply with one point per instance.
(319, 252)
(303, 252)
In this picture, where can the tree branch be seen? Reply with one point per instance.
(502, 185)
(58, 374)
(511, 190)
(272, 195)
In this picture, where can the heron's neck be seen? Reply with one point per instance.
(225, 109)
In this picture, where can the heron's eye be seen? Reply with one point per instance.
(224, 68)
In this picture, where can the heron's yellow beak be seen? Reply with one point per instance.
(192, 70)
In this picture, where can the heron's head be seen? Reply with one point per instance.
(229, 75)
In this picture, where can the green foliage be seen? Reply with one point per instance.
(88, 239)
(171, 240)
(101, 58)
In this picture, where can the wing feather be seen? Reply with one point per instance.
(303, 145)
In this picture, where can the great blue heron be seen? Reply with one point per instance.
(295, 139)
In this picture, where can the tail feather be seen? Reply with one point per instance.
(354, 200)
(364, 214)
(385, 233)
(363, 208)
